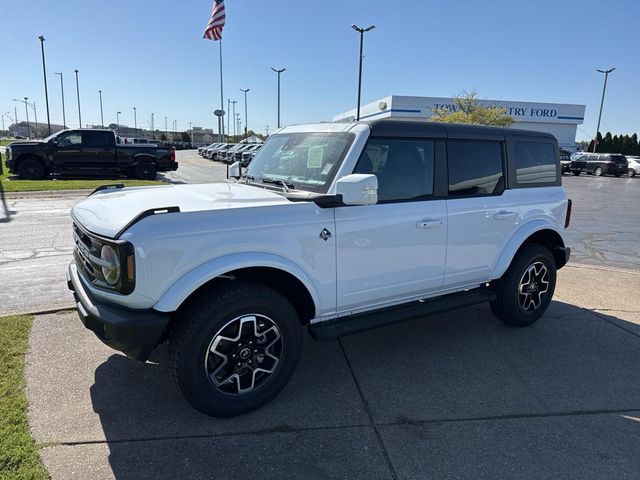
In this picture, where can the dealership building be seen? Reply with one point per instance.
(559, 119)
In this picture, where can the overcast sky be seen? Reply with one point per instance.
(151, 55)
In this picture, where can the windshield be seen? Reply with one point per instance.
(53, 135)
(302, 161)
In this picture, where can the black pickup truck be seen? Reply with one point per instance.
(87, 152)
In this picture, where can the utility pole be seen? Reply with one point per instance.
(64, 116)
(101, 113)
(604, 89)
(46, 91)
(362, 32)
(246, 121)
(278, 71)
(26, 111)
(78, 93)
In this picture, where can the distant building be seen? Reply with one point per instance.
(559, 119)
(33, 130)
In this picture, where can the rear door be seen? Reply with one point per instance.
(482, 215)
(99, 152)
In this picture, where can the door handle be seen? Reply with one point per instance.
(504, 215)
(429, 223)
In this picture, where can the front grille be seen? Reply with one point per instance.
(87, 255)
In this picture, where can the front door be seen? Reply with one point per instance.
(68, 152)
(395, 250)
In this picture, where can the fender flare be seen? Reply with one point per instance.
(139, 158)
(516, 241)
(182, 288)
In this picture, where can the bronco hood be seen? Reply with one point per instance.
(107, 214)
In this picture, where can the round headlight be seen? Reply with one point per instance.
(111, 272)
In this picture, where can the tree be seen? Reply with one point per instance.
(468, 110)
(185, 137)
(163, 137)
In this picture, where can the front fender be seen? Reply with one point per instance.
(516, 241)
(177, 293)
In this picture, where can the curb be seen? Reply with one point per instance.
(48, 193)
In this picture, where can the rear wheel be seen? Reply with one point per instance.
(235, 348)
(576, 173)
(145, 171)
(31, 169)
(598, 172)
(525, 291)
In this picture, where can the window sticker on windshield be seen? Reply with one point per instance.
(314, 156)
(327, 168)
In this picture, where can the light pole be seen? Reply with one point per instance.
(228, 117)
(135, 119)
(191, 132)
(166, 129)
(266, 130)
(362, 32)
(604, 89)
(26, 111)
(153, 131)
(64, 116)
(278, 71)
(233, 102)
(46, 91)
(118, 122)
(35, 113)
(246, 121)
(78, 93)
(101, 113)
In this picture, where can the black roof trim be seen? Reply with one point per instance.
(423, 128)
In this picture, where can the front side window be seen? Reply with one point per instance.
(303, 161)
(535, 162)
(475, 167)
(70, 139)
(404, 168)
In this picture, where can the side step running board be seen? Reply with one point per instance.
(360, 322)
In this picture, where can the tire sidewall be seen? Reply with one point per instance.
(190, 366)
(38, 169)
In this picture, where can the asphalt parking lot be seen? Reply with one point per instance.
(453, 396)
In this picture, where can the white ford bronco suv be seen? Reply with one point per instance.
(335, 228)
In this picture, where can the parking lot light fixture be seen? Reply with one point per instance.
(278, 71)
(64, 115)
(361, 31)
(46, 91)
(246, 122)
(604, 89)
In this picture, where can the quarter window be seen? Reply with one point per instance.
(536, 162)
(475, 167)
(404, 168)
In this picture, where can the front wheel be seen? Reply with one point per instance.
(31, 169)
(631, 172)
(576, 172)
(234, 349)
(598, 172)
(525, 291)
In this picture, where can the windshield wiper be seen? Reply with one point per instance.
(286, 186)
(248, 178)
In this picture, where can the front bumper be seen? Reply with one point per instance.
(133, 332)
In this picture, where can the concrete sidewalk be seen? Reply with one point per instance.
(458, 395)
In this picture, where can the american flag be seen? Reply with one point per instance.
(216, 23)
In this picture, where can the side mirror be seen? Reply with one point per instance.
(234, 171)
(358, 189)
(53, 141)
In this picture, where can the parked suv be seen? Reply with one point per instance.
(336, 228)
(599, 164)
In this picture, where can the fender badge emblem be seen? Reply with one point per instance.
(325, 234)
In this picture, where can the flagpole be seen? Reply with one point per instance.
(221, 96)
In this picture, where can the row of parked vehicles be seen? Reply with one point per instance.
(230, 152)
(600, 164)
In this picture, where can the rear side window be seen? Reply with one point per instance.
(97, 139)
(475, 167)
(536, 162)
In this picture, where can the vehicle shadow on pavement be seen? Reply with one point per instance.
(458, 395)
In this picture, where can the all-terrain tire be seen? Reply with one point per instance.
(202, 337)
(525, 290)
(32, 169)
(145, 171)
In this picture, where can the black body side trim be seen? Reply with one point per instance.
(133, 332)
(145, 214)
(331, 329)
